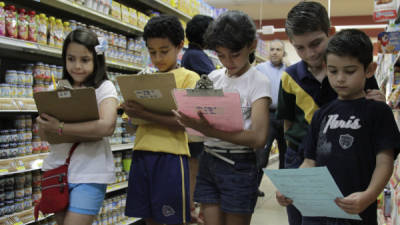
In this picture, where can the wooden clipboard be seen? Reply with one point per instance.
(69, 106)
(153, 91)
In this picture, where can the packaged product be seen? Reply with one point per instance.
(22, 25)
(50, 29)
(32, 26)
(67, 28)
(2, 20)
(59, 33)
(42, 29)
(11, 21)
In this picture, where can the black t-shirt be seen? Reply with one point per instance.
(346, 136)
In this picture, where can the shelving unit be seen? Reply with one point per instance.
(95, 16)
(35, 48)
(165, 8)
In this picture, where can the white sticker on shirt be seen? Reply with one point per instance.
(148, 94)
(346, 141)
(168, 210)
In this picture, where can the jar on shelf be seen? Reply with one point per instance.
(11, 77)
(28, 148)
(20, 91)
(5, 90)
(13, 90)
(28, 91)
(20, 77)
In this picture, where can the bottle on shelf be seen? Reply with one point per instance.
(11, 21)
(42, 29)
(50, 29)
(22, 25)
(32, 26)
(58, 33)
(2, 20)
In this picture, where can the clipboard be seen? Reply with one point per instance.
(69, 106)
(153, 91)
(222, 110)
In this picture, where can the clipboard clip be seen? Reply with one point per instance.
(204, 87)
(64, 85)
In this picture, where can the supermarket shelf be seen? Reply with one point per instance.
(18, 111)
(121, 147)
(26, 157)
(124, 66)
(32, 47)
(117, 186)
(92, 15)
(165, 8)
(40, 218)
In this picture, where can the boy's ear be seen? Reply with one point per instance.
(180, 46)
(332, 31)
(253, 45)
(371, 69)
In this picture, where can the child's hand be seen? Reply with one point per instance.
(282, 200)
(376, 95)
(48, 123)
(354, 203)
(133, 109)
(201, 124)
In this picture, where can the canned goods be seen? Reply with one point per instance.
(20, 181)
(28, 148)
(19, 204)
(13, 135)
(21, 77)
(28, 202)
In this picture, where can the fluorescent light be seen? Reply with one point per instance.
(368, 26)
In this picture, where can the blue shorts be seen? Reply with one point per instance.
(195, 149)
(234, 188)
(158, 187)
(86, 199)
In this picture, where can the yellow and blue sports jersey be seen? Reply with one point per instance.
(300, 95)
(158, 138)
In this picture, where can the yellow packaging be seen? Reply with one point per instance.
(174, 3)
(42, 29)
(133, 17)
(59, 33)
(125, 13)
(116, 10)
(141, 19)
(52, 24)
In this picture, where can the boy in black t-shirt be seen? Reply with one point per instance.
(357, 139)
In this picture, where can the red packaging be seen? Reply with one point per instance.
(11, 22)
(22, 25)
(32, 26)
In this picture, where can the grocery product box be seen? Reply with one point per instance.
(116, 10)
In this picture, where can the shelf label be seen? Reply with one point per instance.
(3, 170)
(30, 44)
(20, 168)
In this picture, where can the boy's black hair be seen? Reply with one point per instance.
(164, 26)
(88, 39)
(351, 42)
(307, 17)
(196, 28)
(233, 30)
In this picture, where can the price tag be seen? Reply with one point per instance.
(20, 168)
(3, 170)
(30, 44)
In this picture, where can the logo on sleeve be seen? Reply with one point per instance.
(346, 141)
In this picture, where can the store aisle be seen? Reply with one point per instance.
(268, 211)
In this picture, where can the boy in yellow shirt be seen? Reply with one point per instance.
(158, 189)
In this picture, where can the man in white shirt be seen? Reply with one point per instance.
(273, 69)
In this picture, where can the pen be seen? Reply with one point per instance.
(54, 81)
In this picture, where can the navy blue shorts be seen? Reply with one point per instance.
(158, 187)
(195, 149)
(234, 188)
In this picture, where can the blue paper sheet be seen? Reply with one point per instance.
(312, 190)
